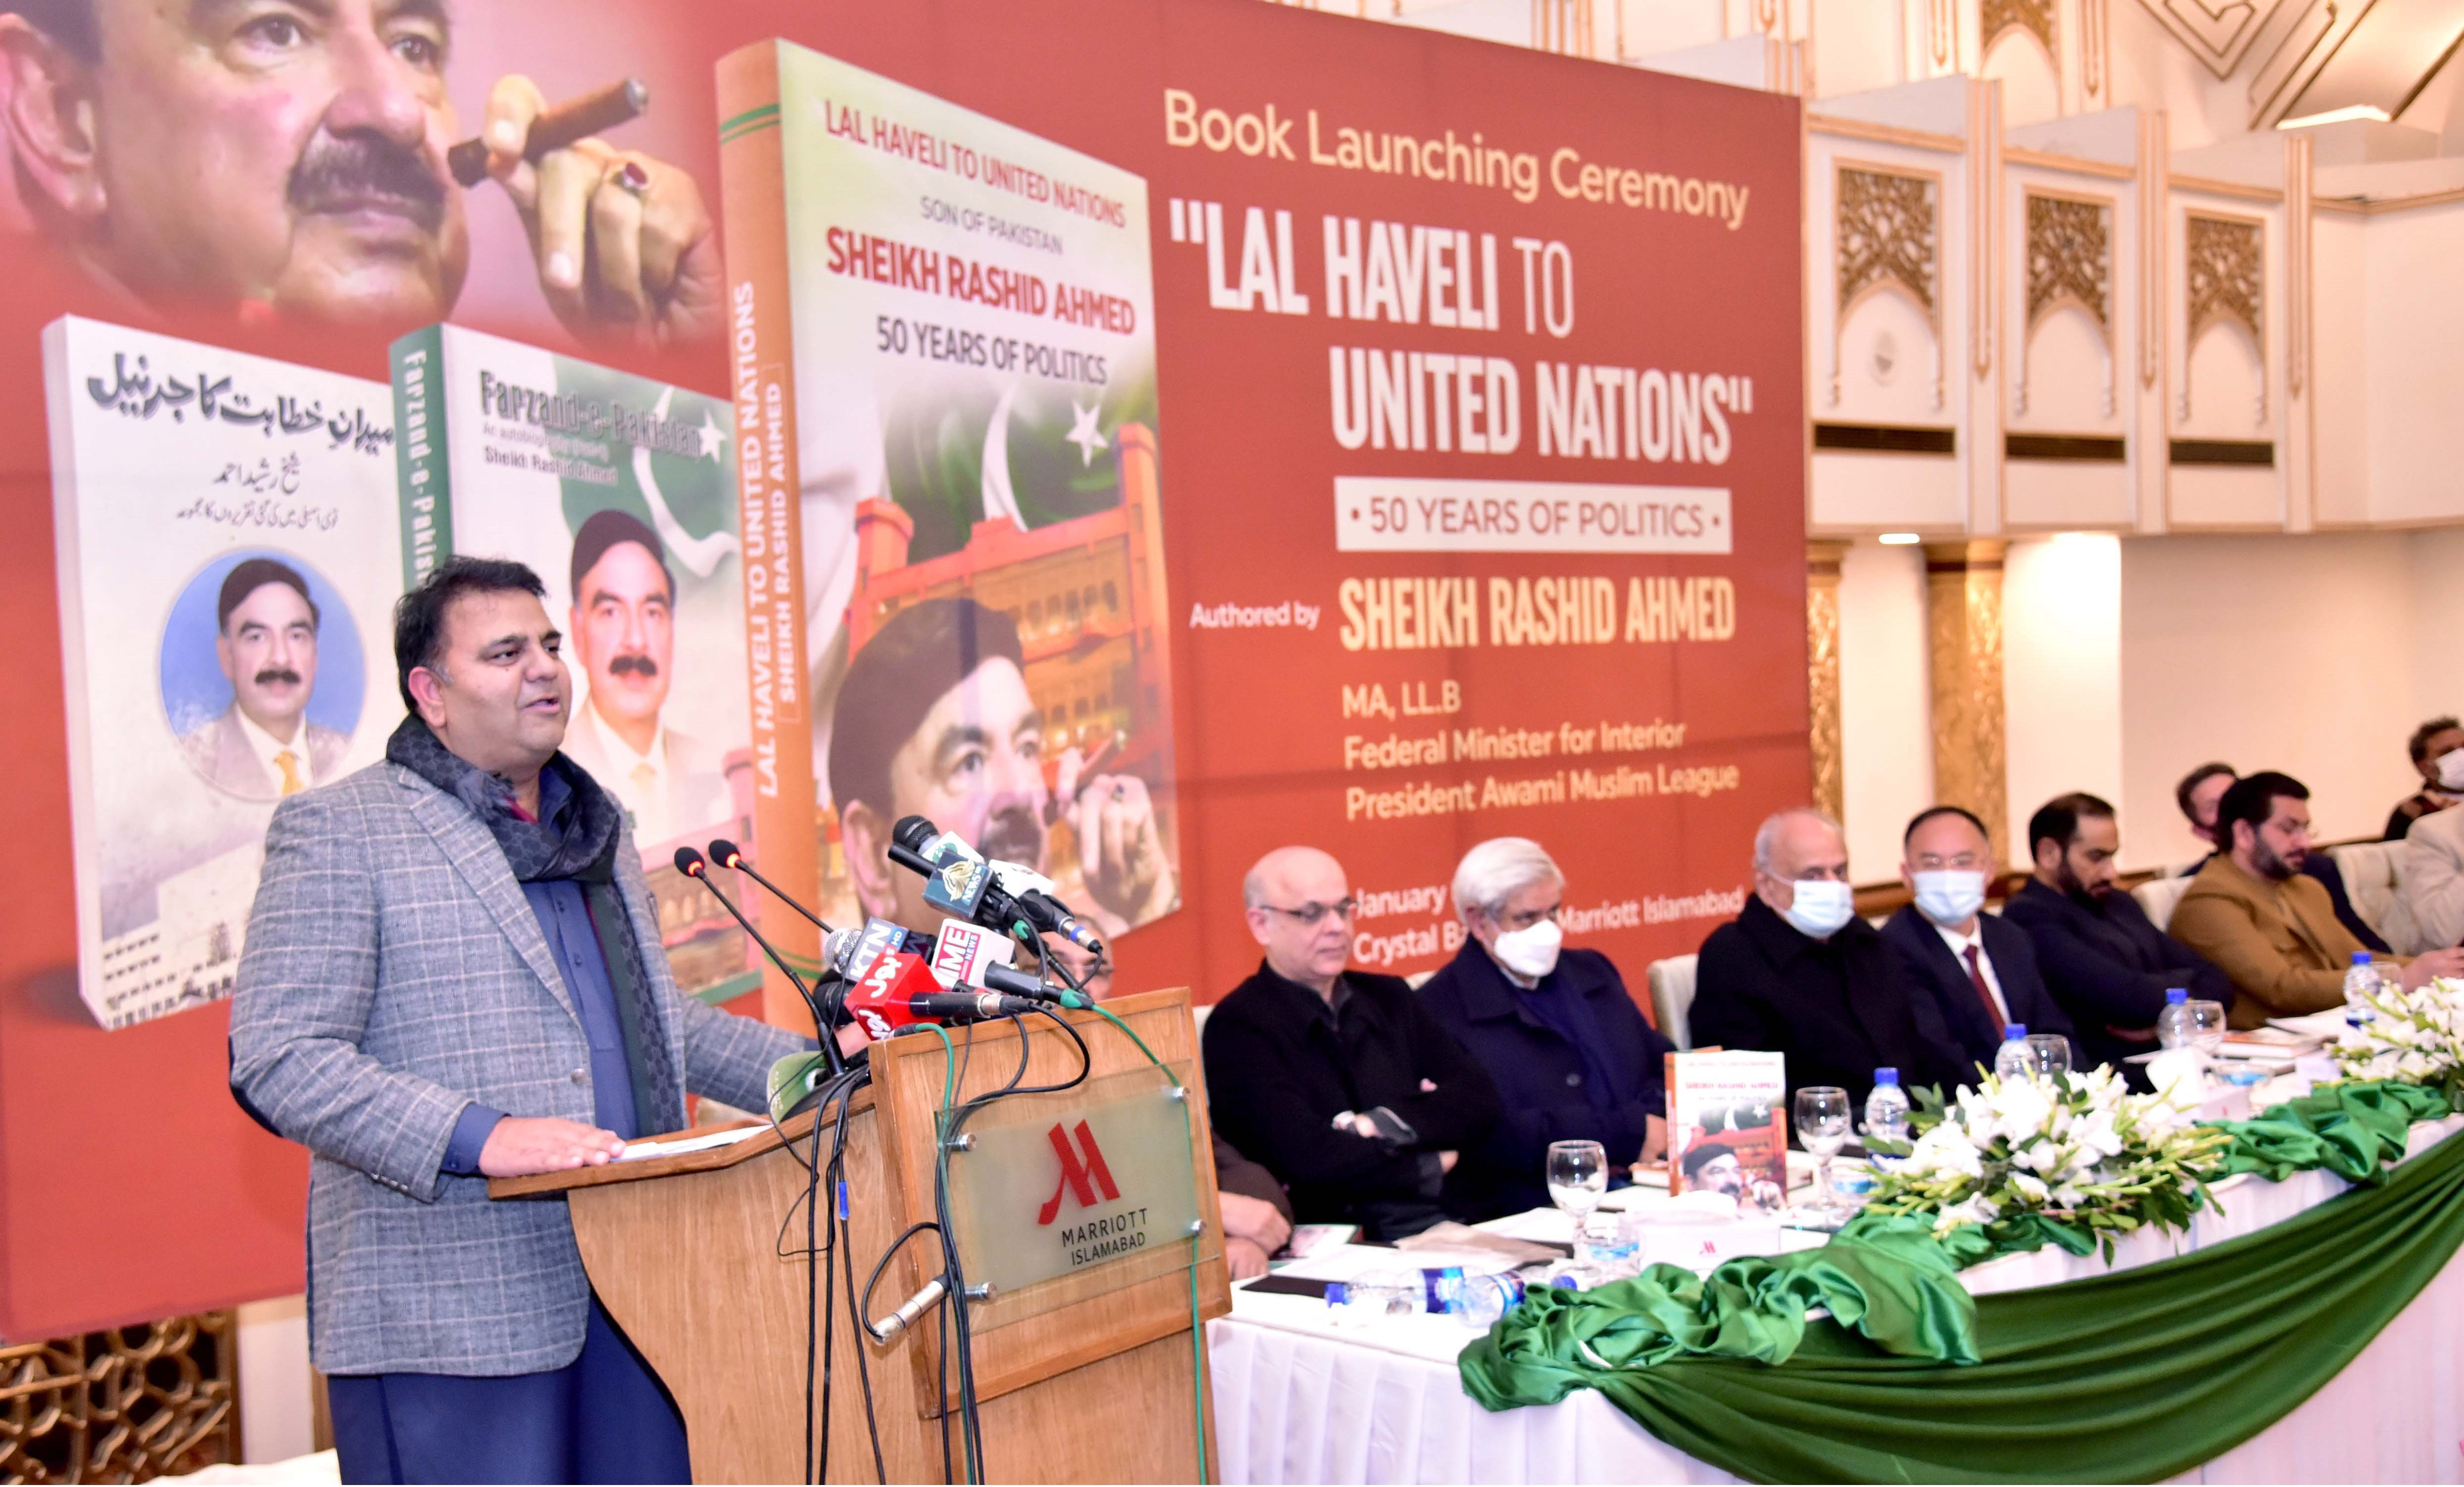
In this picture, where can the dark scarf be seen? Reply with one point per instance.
(580, 846)
(1566, 1011)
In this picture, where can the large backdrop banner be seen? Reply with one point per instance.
(1134, 433)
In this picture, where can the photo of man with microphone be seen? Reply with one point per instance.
(934, 720)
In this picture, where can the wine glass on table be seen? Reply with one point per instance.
(1577, 1176)
(1822, 1128)
(2049, 1054)
(2208, 1030)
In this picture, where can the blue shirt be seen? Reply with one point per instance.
(564, 917)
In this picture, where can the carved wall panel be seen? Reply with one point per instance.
(123, 1405)
(1887, 238)
(2223, 282)
(2070, 266)
(2036, 17)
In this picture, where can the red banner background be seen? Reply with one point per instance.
(133, 1189)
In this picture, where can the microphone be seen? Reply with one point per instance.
(1048, 914)
(961, 882)
(850, 952)
(898, 992)
(1032, 893)
(723, 853)
(690, 863)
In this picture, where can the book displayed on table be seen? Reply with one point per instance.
(620, 492)
(1727, 1126)
(227, 556)
(944, 355)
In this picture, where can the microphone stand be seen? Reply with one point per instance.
(690, 863)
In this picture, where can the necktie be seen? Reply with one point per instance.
(644, 778)
(289, 764)
(1984, 992)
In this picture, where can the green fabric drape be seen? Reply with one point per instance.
(1891, 1281)
(2351, 1130)
(2125, 1377)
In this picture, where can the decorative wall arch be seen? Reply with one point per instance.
(2223, 282)
(2069, 266)
(1886, 235)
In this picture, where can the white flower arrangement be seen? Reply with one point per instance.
(2078, 1150)
(2415, 1036)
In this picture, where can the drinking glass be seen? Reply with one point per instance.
(1822, 1129)
(2207, 1029)
(2049, 1054)
(1577, 1176)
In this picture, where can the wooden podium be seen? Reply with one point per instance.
(1088, 1377)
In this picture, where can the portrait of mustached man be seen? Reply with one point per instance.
(288, 157)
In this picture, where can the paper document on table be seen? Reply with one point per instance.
(1352, 1261)
(2326, 1027)
(676, 1147)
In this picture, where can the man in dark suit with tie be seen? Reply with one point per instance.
(1799, 973)
(1974, 973)
(2106, 966)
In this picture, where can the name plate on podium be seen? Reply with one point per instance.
(1069, 1181)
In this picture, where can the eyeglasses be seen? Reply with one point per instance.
(1958, 862)
(1312, 914)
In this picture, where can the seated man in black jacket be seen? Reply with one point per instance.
(1340, 1082)
(2101, 959)
(1800, 973)
(1979, 974)
(1570, 1054)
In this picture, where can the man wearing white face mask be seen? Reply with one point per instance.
(2432, 908)
(1978, 973)
(2437, 749)
(1570, 1052)
(1799, 973)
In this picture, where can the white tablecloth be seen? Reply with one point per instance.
(1298, 1401)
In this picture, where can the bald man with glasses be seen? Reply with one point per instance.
(1338, 1080)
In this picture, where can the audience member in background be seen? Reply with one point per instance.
(1256, 1212)
(1799, 973)
(2271, 929)
(1979, 974)
(2199, 794)
(1569, 1053)
(2106, 966)
(1339, 1081)
(2438, 752)
(2431, 912)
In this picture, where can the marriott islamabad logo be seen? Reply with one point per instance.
(1083, 1173)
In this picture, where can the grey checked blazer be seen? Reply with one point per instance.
(394, 972)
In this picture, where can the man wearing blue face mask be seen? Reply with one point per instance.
(1799, 973)
(1974, 973)
(1569, 1053)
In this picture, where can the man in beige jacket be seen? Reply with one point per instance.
(2434, 878)
(2272, 930)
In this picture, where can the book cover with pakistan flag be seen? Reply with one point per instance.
(619, 492)
(969, 312)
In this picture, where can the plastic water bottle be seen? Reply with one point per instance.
(2361, 983)
(1886, 1115)
(2173, 1025)
(2011, 1060)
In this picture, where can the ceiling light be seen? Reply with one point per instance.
(1898, 539)
(2369, 111)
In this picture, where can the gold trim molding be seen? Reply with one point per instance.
(1822, 560)
(1964, 642)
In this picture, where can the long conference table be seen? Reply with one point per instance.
(1298, 1399)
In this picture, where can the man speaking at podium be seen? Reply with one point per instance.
(454, 972)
